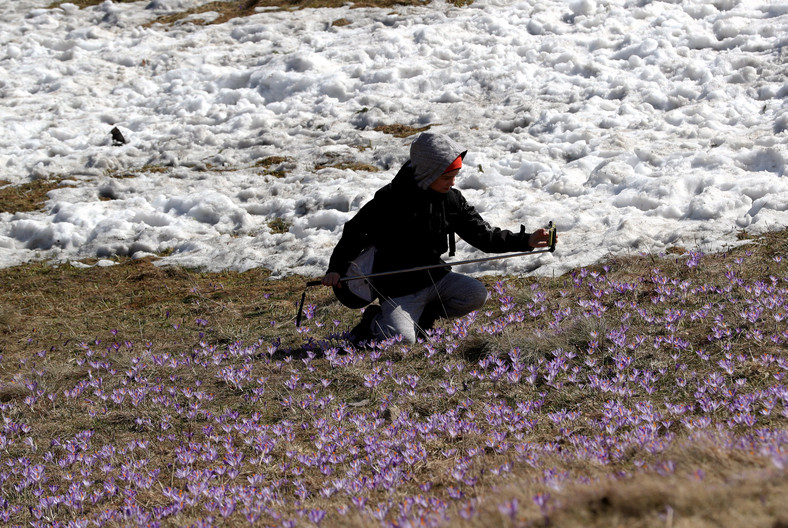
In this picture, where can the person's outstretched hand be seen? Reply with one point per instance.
(539, 239)
(331, 279)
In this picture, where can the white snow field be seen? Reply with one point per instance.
(633, 125)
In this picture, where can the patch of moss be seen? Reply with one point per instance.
(230, 9)
(27, 197)
(158, 169)
(279, 226)
(271, 160)
(348, 165)
(86, 3)
(401, 131)
(273, 165)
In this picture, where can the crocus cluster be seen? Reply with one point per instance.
(575, 380)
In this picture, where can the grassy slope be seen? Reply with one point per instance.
(61, 327)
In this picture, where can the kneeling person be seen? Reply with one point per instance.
(411, 222)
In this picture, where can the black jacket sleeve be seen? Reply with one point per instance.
(472, 228)
(356, 235)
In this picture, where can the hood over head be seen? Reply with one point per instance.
(431, 154)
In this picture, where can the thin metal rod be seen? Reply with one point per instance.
(434, 266)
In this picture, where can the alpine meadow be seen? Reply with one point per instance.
(173, 173)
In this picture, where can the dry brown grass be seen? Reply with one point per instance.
(276, 166)
(724, 499)
(86, 3)
(65, 304)
(401, 131)
(27, 197)
(335, 162)
(230, 9)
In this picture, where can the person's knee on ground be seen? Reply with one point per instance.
(477, 296)
(464, 295)
(411, 316)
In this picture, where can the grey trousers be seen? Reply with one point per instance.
(453, 296)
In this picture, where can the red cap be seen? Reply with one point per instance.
(456, 164)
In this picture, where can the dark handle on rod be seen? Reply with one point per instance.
(551, 228)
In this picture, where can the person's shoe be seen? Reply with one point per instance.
(363, 332)
(427, 319)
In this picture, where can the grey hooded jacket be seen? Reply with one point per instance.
(430, 154)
